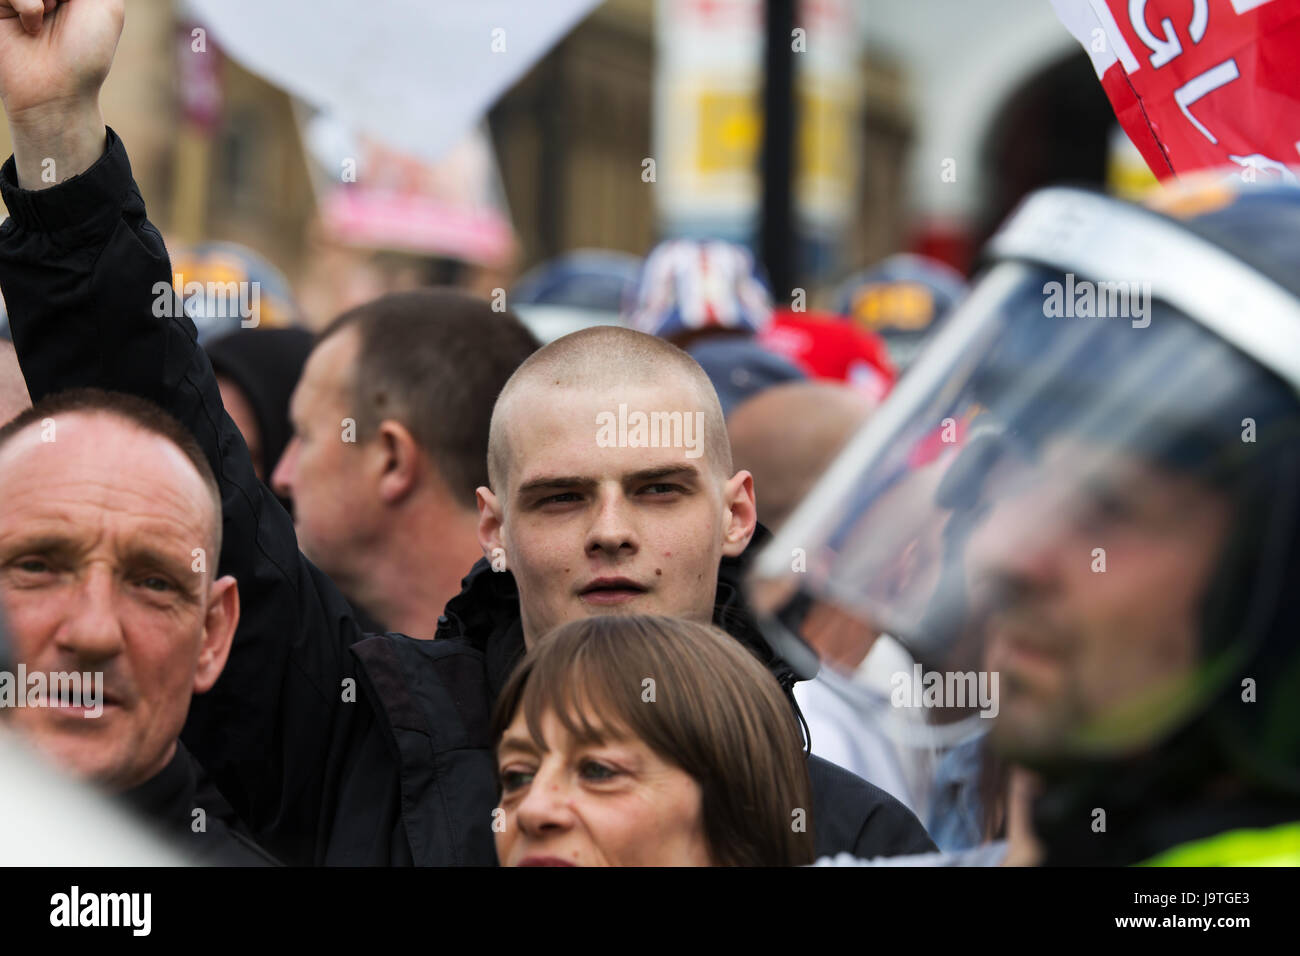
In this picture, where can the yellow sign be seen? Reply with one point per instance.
(908, 306)
(728, 131)
(729, 126)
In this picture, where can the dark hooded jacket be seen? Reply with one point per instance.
(334, 745)
(181, 803)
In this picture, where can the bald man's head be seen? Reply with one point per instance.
(612, 489)
(110, 524)
(787, 435)
(603, 359)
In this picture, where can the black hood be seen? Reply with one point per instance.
(266, 365)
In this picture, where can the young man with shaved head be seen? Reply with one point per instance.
(639, 523)
(339, 747)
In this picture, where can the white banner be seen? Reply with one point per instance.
(417, 74)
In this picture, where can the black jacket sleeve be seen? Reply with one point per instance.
(87, 284)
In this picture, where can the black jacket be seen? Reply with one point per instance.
(333, 745)
(181, 803)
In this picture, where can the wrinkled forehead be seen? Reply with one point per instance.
(96, 460)
(611, 432)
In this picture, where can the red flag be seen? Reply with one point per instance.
(1198, 84)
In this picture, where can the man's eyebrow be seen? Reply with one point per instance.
(681, 472)
(41, 543)
(554, 481)
(144, 556)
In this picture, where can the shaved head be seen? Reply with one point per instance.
(604, 359)
(788, 434)
(602, 499)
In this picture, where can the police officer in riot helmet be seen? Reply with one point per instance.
(1107, 438)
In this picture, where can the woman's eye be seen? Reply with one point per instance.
(514, 779)
(592, 770)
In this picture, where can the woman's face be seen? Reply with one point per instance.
(610, 804)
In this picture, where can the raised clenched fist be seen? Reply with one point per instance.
(55, 54)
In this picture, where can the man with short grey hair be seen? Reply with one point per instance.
(114, 614)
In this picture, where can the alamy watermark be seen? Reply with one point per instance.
(660, 429)
(1085, 299)
(212, 300)
(922, 688)
(84, 689)
(131, 911)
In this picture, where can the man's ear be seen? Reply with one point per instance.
(741, 515)
(399, 461)
(218, 632)
(491, 518)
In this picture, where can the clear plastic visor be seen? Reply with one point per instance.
(1047, 497)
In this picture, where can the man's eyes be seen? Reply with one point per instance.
(662, 488)
(658, 489)
(563, 498)
(32, 566)
(1104, 507)
(155, 583)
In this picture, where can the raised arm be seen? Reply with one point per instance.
(87, 283)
